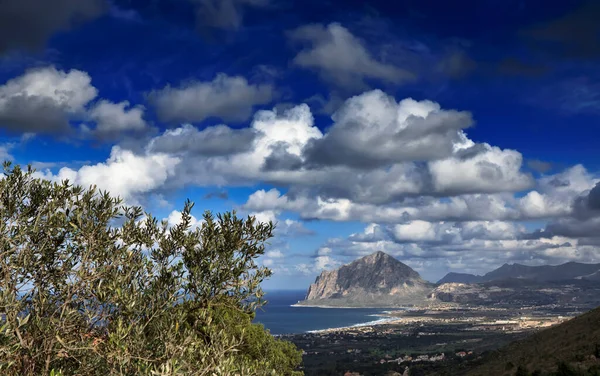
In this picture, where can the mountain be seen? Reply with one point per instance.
(592, 277)
(544, 273)
(575, 342)
(516, 292)
(459, 278)
(376, 280)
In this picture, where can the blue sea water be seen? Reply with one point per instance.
(281, 318)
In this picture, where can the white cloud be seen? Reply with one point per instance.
(228, 98)
(47, 100)
(415, 231)
(274, 254)
(124, 174)
(115, 118)
(321, 262)
(70, 90)
(43, 99)
(372, 129)
(448, 198)
(175, 217)
(490, 170)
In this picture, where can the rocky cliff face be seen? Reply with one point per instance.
(377, 280)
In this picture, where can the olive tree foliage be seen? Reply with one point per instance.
(91, 287)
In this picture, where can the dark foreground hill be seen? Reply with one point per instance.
(575, 343)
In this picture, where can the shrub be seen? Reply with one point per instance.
(91, 287)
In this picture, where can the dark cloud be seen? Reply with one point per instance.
(351, 72)
(594, 198)
(281, 160)
(28, 24)
(471, 152)
(573, 35)
(574, 228)
(223, 195)
(231, 98)
(457, 64)
(219, 140)
(558, 182)
(539, 166)
(20, 114)
(223, 14)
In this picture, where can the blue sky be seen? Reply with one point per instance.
(456, 137)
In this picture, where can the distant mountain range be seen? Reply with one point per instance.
(544, 273)
(376, 280)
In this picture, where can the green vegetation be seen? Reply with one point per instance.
(91, 287)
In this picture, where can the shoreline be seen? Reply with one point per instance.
(384, 321)
(326, 306)
(384, 318)
(390, 308)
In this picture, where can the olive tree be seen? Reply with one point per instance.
(89, 286)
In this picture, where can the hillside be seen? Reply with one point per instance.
(575, 341)
(459, 278)
(376, 280)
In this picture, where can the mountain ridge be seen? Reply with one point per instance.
(542, 273)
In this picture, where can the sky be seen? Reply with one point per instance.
(455, 136)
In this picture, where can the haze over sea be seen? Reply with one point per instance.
(281, 318)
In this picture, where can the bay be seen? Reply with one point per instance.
(281, 318)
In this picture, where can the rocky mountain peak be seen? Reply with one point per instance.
(376, 277)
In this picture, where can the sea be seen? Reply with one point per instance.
(280, 317)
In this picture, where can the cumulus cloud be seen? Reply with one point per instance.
(43, 99)
(124, 173)
(321, 261)
(372, 129)
(47, 101)
(582, 217)
(341, 58)
(453, 200)
(218, 140)
(28, 24)
(283, 228)
(114, 119)
(490, 170)
(175, 217)
(226, 97)
(285, 148)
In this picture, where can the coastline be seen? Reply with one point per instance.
(335, 307)
(386, 320)
(385, 317)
